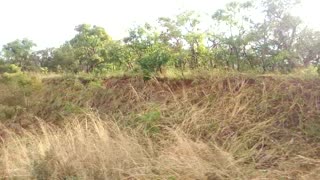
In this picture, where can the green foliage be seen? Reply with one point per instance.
(44, 58)
(149, 121)
(9, 68)
(308, 46)
(153, 61)
(119, 55)
(21, 80)
(64, 59)
(19, 52)
(90, 46)
(234, 40)
(16, 88)
(20, 84)
(91, 80)
(70, 108)
(181, 32)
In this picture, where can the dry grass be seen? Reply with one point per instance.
(211, 126)
(96, 149)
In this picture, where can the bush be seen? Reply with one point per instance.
(16, 88)
(21, 80)
(9, 68)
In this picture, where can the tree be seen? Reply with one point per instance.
(262, 35)
(140, 39)
(308, 47)
(119, 55)
(64, 59)
(18, 52)
(148, 49)
(42, 58)
(90, 46)
(234, 39)
(192, 36)
(275, 36)
(185, 38)
(154, 60)
(171, 35)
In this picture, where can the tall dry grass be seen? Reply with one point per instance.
(92, 148)
(219, 126)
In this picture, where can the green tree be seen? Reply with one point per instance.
(308, 47)
(90, 46)
(192, 36)
(140, 39)
(119, 55)
(171, 35)
(185, 38)
(18, 52)
(276, 35)
(233, 20)
(147, 49)
(64, 59)
(153, 61)
(42, 58)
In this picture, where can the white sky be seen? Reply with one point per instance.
(49, 23)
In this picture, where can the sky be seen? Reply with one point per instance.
(49, 23)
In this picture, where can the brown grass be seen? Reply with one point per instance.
(96, 149)
(231, 126)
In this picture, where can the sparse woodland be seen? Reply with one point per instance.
(259, 36)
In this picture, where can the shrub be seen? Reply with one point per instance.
(22, 81)
(9, 68)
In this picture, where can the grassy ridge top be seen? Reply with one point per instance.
(222, 126)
